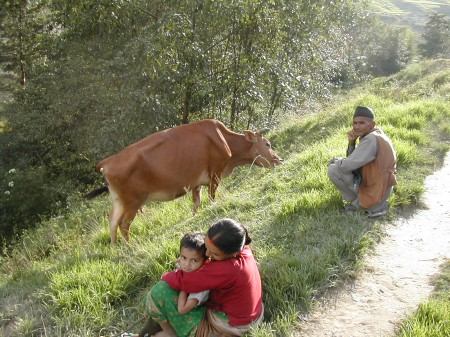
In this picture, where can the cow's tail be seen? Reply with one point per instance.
(96, 192)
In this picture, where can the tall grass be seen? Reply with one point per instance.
(63, 279)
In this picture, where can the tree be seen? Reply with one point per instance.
(436, 37)
(21, 30)
(390, 50)
(376, 48)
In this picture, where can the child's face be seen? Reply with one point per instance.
(190, 259)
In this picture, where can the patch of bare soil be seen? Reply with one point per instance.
(397, 277)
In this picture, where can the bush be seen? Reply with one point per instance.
(25, 197)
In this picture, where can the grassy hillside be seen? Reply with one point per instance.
(63, 279)
(412, 13)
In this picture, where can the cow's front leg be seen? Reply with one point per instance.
(196, 197)
(213, 184)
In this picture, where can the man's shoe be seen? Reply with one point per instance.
(379, 213)
(349, 208)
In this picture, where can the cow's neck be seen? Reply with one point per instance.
(240, 152)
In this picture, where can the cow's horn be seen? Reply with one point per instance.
(264, 130)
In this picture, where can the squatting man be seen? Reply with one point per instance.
(366, 177)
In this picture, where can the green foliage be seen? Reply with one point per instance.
(20, 213)
(22, 28)
(391, 49)
(86, 19)
(103, 74)
(436, 37)
(378, 48)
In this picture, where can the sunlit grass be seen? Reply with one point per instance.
(89, 289)
(432, 318)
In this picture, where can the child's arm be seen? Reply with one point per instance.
(184, 304)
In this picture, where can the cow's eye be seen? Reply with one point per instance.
(268, 145)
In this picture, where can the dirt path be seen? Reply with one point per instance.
(396, 277)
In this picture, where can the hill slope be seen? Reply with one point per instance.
(413, 13)
(63, 278)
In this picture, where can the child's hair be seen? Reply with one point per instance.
(194, 241)
(229, 236)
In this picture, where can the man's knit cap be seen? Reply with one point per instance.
(364, 111)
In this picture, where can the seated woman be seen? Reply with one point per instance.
(234, 282)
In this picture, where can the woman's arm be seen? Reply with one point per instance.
(215, 275)
(200, 280)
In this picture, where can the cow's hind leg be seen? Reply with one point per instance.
(121, 218)
(114, 218)
(122, 214)
(126, 221)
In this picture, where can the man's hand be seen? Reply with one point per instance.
(352, 137)
(333, 160)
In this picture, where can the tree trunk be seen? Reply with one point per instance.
(187, 103)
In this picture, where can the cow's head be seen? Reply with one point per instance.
(261, 150)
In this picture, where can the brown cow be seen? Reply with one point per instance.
(170, 163)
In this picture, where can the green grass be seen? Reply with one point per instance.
(63, 278)
(432, 318)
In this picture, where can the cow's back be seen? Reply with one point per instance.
(170, 161)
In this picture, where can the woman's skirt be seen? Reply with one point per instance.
(161, 305)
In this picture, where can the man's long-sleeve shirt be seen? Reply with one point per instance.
(357, 157)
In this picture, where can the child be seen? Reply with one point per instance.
(192, 257)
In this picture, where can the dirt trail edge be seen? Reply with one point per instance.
(397, 277)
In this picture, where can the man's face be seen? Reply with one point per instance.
(362, 126)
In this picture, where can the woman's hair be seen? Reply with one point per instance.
(194, 241)
(229, 236)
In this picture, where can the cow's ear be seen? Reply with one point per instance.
(250, 136)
